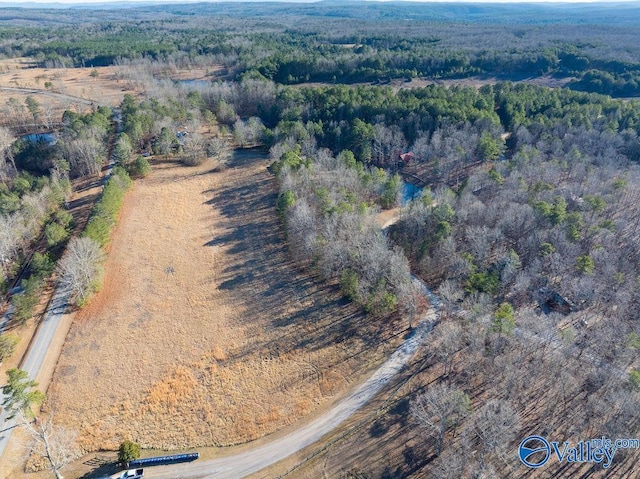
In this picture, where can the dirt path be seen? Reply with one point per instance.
(51, 94)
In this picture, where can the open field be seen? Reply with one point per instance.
(66, 88)
(204, 333)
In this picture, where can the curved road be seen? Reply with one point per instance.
(251, 461)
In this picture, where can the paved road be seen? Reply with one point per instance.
(37, 351)
(4, 320)
(243, 464)
(47, 329)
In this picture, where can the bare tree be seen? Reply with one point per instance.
(449, 337)
(7, 163)
(388, 143)
(17, 110)
(450, 465)
(12, 234)
(495, 425)
(240, 133)
(48, 115)
(194, 149)
(301, 226)
(439, 408)
(85, 155)
(55, 445)
(220, 151)
(255, 130)
(413, 300)
(80, 268)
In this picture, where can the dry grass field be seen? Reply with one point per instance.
(204, 333)
(65, 89)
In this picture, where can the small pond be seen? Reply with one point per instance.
(410, 192)
(48, 138)
(194, 83)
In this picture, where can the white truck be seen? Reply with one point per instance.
(129, 474)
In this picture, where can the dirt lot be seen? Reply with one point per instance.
(204, 333)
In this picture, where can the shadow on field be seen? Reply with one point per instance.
(103, 468)
(308, 314)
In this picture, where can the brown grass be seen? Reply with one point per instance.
(77, 84)
(204, 333)
(105, 89)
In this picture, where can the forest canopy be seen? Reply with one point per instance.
(347, 42)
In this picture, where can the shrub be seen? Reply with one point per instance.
(63, 218)
(8, 344)
(381, 303)
(139, 168)
(483, 283)
(42, 266)
(25, 302)
(128, 452)
(349, 284)
(585, 264)
(55, 234)
(285, 201)
(634, 380)
(504, 321)
(392, 192)
(98, 230)
(104, 214)
(292, 158)
(547, 249)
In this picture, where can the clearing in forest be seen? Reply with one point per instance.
(57, 89)
(76, 89)
(204, 333)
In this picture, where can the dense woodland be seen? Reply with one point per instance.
(527, 231)
(595, 48)
(529, 234)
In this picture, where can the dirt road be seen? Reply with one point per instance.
(49, 94)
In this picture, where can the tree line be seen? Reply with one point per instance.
(313, 44)
(329, 207)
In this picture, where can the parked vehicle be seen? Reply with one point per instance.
(130, 474)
